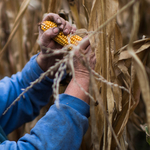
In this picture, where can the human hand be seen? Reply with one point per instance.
(47, 43)
(84, 57)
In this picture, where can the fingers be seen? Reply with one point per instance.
(50, 34)
(62, 24)
(89, 55)
(84, 43)
(92, 60)
(46, 38)
(67, 28)
(83, 47)
(54, 18)
(73, 29)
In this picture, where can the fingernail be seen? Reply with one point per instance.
(73, 31)
(61, 26)
(58, 21)
(66, 31)
(55, 30)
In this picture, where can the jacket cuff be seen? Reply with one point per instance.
(75, 103)
(39, 71)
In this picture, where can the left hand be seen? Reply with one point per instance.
(82, 74)
(88, 58)
(47, 42)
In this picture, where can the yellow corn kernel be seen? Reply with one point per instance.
(61, 38)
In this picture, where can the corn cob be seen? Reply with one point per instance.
(61, 38)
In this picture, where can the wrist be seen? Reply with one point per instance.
(85, 75)
(45, 63)
(83, 81)
(74, 89)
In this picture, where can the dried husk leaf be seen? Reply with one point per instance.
(139, 67)
(88, 5)
(75, 13)
(54, 6)
(22, 10)
(104, 44)
(110, 106)
(122, 118)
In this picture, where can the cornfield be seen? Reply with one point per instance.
(119, 35)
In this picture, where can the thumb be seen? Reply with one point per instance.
(85, 43)
(50, 33)
(46, 37)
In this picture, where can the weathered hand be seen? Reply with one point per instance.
(46, 40)
(84, 57)
(81, 72)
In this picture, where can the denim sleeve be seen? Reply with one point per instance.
(28, 107)
(61, 128)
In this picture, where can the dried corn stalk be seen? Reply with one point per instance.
(105, 46)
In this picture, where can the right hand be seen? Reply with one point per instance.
(46, 41)
(46, 38)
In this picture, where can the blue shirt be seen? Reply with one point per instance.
(61, 128)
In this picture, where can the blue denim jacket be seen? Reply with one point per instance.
(61, 128)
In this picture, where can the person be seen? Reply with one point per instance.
(60, 128)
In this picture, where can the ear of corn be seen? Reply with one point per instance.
(61, 38)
